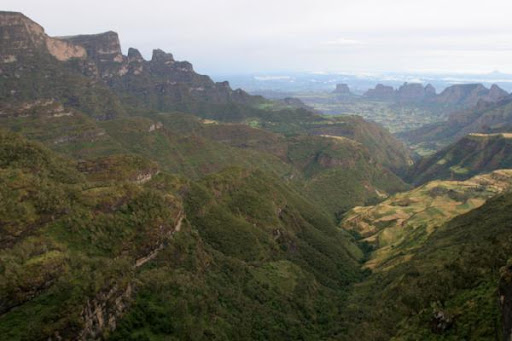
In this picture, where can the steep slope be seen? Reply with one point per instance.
(471, 155)
(346, 172)
(446, 290)
(80, 250)
(398, 226)
(99, 81)
(90, 73)
(262, 263)
(485, 117)
(35, 66)
(336, 171)
(70, 247)
(384, 147)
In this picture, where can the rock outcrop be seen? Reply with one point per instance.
(381, 92)
(343, 90)
(102, 47)
(415, 92)
(161, 83)
(468, 95)
(21, 37)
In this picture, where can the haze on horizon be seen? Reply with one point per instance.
(244, 36)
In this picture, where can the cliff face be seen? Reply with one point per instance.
(102, 48)
(20, 36)
(161, 83)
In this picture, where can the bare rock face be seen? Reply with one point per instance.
(161, 83)
(21, 37)
(134, 55)
(381, 92)
(102, 47)
(160, 56)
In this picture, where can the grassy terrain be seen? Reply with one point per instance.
(400, 225)
(249, 240)
(471, 155)
(66, 240)
(446, 290)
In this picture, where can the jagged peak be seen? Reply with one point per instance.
(162, 56)
(134, 54)
(430, 88)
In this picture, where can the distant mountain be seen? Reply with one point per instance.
(485, 117)
(468, 95)
(343, 90)
(381, 92)
(408, 92)
(456, 96)
(474, 154)
(415, 92)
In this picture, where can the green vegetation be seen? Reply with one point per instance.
(400, 225)
(473, 154)
(71, 240)
(445, 291)
(65, 240)
(264, 264)
(140, 200)
(393, 116)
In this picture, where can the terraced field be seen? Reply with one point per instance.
(401, 223)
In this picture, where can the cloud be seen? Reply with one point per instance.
(342, 42)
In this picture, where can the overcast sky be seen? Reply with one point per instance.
(238, 36)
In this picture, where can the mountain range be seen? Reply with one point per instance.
(140, 200)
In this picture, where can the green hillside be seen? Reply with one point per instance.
(471, 155)
(397, 227)
(72, 239)
(447, 290)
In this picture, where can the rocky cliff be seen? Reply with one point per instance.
(21, 37)
(87, 64)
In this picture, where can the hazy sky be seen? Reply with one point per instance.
(234, 36)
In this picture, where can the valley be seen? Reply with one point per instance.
(141, 200)
(394, 117)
